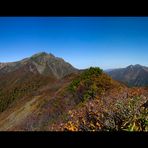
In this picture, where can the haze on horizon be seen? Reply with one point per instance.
(107, 42)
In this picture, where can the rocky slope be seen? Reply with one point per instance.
(43, 63)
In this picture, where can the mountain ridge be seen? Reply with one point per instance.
(45, 64)
(132, 75)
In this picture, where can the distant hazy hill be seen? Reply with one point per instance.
(133, 75)
(108, 70)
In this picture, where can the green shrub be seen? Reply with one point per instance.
(85, 78)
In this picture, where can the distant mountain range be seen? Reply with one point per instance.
(133, 75)
(108, 70)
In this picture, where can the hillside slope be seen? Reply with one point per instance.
(116, 108)
(88, 101)
(50, 102)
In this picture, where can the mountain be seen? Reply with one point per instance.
(22, 78)
(133, 75)
(42, 63)
(45, 93)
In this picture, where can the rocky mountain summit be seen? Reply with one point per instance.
(43, 63)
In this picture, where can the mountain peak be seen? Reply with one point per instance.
(134, 66)
(138, 65)
(130, 66)
(48, 64)
(40, 54)
(132, 75)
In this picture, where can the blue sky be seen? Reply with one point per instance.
(107, 42)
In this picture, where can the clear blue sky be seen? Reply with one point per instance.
(107, 42)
